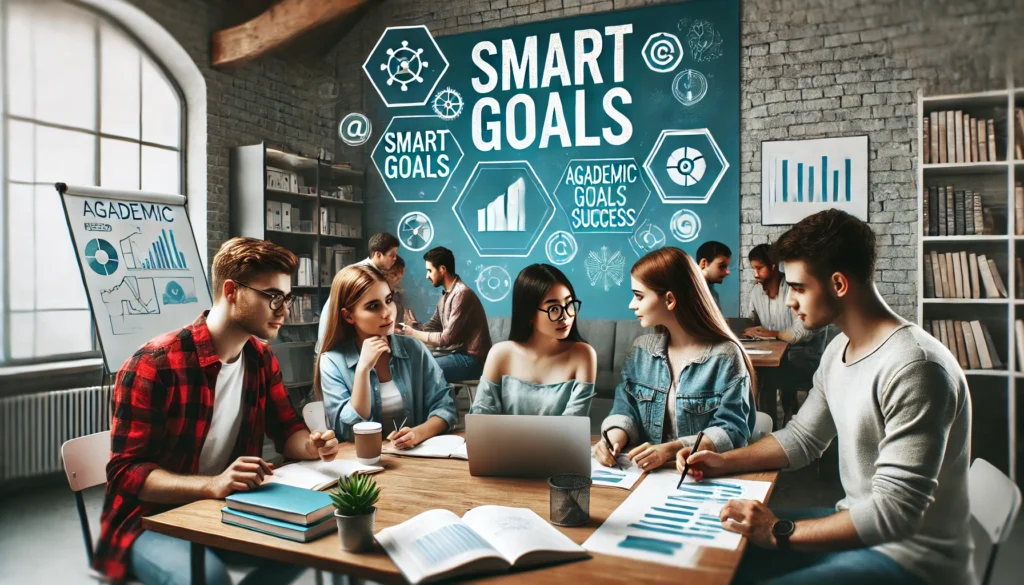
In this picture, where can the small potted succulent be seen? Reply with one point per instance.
(354, 500)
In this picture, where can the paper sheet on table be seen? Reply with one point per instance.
(661, 524)
(624, 478)
(439, 447)
(317, 475)
(752, 351)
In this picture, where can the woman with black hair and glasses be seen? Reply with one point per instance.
(545, 367)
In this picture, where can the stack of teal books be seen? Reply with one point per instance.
(281, 510)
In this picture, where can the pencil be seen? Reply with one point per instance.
(608, 442)
(686, 464)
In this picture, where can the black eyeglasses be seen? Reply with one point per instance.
(555, 312)
(277, 300)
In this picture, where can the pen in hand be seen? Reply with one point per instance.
(686, 464)
(611, 449)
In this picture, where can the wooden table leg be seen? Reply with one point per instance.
(198, 564)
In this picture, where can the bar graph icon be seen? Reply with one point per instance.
(802, 177)
(161, 254)
(507, 213)
(448, 542)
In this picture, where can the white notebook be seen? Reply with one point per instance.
(318, 475)
(438, 545)
(439, 447)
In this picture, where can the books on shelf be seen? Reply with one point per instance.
(970, 342)
(955, 137)
(1018, 331)
(953, 212)
(438, 545)
(962, 275)
(302, 310)
(1018, 209)
(1018, 134)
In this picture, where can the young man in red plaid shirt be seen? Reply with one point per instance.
(190, 410)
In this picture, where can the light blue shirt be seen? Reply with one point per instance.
(419, 379)
(515, 396)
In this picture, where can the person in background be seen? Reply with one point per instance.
(190, 410)
(383, 249)
(545, 367)
(774, 320)
(458, 330)
(394, 277)
(365, 373)
(690, 376)
(898, 403)
(713, 259)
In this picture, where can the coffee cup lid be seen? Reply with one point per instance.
(367, 427)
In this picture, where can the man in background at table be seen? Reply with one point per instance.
(383, 255)
(774, 320)
(713, 259)
(190, 410)
(458, 329)
(896, 400)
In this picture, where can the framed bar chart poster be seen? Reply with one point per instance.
(802, 177)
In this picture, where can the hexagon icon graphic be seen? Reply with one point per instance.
(685, 166)
(602, 195)
(416, 156)
(405, 66)
(504, 209)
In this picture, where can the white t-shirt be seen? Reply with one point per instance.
(391, 405)
(227, 417)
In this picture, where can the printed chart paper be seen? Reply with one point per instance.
(624, 478)
(661, 524)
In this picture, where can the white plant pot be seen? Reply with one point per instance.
(356, 532)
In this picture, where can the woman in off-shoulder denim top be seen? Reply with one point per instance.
(545, 368)
(690, 376)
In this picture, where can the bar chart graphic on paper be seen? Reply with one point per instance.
(506, 213)
(161, 254)
(448, 542)
(802, 177)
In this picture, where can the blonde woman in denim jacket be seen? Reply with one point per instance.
(690, 376)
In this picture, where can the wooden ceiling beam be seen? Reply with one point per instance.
(282, 23)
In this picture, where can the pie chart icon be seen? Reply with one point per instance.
(101, 256)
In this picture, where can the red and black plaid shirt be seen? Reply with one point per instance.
(162, 411)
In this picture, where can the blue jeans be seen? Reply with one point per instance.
(157, 559)
(851, 567)
(460, 366)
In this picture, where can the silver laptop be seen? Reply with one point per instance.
(527, 446)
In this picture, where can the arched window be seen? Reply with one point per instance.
(84, 103)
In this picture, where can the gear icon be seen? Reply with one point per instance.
(404, 65)
(447, 104)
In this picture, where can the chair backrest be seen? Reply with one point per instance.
(85, 460)
(995, 500)
(762, 427)
(314, 416)
(995, 503)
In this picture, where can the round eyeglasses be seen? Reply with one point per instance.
(555, 312)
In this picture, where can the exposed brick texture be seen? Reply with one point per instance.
(809, 69)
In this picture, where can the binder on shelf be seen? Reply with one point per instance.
(275, 207)
(286, 216)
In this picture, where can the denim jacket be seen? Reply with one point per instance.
(713, 394)
(419, 379)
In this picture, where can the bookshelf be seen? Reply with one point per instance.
(326, 201)
(997, 393)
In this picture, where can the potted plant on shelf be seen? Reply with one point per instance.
(354, 500)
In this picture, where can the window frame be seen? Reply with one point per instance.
(77, 362)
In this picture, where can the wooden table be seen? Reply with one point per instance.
(414, 485)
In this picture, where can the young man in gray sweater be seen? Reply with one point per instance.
(898, 402)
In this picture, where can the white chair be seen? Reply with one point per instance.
(762, 427)
(995, 502)
(314, 416)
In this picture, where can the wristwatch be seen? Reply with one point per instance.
(782, 530)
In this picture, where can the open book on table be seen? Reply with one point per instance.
(439, 447)
(319, 475)
(439, 545)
